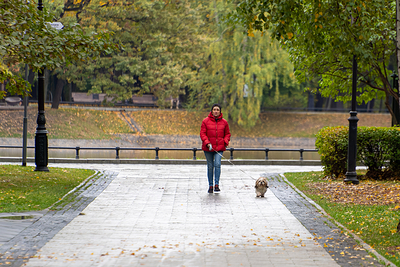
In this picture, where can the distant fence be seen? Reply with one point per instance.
(157, 149)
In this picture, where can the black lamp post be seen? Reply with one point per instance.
(41, 142)
(351, 174)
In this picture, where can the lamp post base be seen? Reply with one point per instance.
(41, 151)
(351, 177)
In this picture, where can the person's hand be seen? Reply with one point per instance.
(209, 147)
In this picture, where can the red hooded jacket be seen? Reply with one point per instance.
(215, 131)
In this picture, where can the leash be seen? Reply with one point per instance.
(234, 165)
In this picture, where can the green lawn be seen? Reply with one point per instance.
(368, 209)
(23, 189)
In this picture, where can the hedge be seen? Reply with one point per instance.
(378, 148)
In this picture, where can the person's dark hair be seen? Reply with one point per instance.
(216, 105)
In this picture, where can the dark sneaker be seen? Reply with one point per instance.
(216, 188)
(210, 190)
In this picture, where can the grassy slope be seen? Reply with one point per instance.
(271, 124)
(65, 123)
(71, 123)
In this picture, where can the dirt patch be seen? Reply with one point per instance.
(367, 193)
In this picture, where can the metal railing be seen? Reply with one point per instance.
(157, 149)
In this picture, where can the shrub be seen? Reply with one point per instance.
(378, 148)
(373, 146)
(394, 150)
(331, 143)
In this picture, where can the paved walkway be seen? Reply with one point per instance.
(162, 215)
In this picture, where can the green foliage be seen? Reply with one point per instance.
(242, 72)
(373, 147)
(16, 82)
(175, 47)
(332, 143)
(377, 149)
(322, 37)
(161, 40)
(28, 39)
(394, 150)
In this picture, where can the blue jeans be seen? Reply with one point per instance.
(213, 166)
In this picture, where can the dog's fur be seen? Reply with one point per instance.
(261, 186)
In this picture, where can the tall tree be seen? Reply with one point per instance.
(161, 45)
(27, 38)
(242, 71)
(323, 35)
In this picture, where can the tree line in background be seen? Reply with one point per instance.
(185, 49)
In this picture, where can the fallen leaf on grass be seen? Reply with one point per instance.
(364, 194)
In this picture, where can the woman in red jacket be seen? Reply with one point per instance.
(215, 135)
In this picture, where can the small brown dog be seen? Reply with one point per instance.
(261, 186)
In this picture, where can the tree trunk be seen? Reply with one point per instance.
(389, 107)
(57, 94)
(46, 84)
(310, 102)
